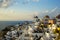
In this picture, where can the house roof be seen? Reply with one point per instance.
(47, 16)
(58, 16)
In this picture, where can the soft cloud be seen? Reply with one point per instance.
(53, 9)
(45, 11)
(52, 13)
(6, 3)
(28, 1)
(15, 15)
(36, 0)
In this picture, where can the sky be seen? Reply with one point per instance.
(14, 10)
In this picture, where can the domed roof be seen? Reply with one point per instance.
(47, 16)
(35, 16)
(58, 16)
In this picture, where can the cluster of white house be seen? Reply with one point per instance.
(27, 32)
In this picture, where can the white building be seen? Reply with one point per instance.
(58, 19)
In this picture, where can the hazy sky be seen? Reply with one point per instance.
(26, 9)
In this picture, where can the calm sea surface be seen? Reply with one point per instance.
(4, 24)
